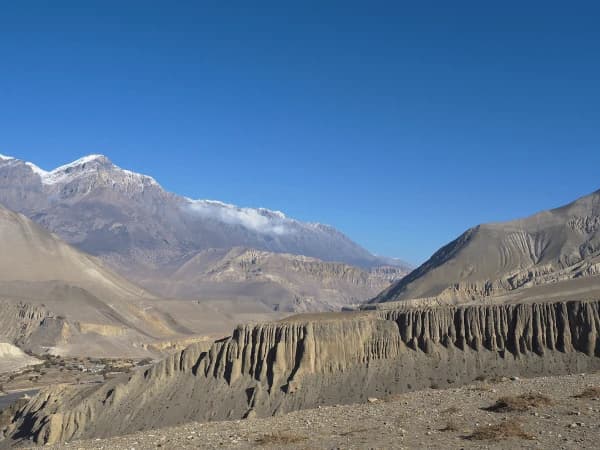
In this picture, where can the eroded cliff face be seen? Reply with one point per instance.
(284, 282)
(314, 360)
(20, 321)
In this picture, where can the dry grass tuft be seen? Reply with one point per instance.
(450, 426)
(393, 398)
(519, 403)
(279, 439)
(490, 379)
(356, 431)
(451, 410)
(497, 380)
(498, 432)
(590, 392)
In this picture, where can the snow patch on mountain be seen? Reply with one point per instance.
(81, 161)
(87, 166)
(41, 172)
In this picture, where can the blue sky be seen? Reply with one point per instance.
(401, 125)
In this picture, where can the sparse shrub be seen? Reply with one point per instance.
(590, 392)
(450, 426)
(498, 432)
(279, 439)
(393, 397)
(496, 380)
(504, 430)
(451, 410)
(355, 431)
(519, 403)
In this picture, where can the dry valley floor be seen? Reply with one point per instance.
(547, 413)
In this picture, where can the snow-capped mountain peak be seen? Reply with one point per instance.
(86, 166)
(130, 220)
(98, 159)
(6, 160)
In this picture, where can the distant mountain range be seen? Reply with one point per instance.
(283, 282)
(559, 248)
(154, 237)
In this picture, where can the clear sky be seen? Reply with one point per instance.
(401, 125)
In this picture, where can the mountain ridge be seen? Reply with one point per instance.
(285, 282)
(137, 227)
(499, 257)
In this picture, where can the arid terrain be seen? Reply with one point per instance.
(319, 360)
(547, 413)
(501, 303)
(299, 225)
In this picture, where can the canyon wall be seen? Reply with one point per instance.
(311, 360)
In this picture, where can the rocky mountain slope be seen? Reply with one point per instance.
(312, 360)
(55, 298)
(144, 232)
(498, 258)
(282, 281)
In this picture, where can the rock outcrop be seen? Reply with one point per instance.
(281, 281)
(312, 360)
(19, 321)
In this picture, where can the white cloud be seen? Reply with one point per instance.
(260, 220)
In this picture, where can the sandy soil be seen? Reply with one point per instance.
(537, 413)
